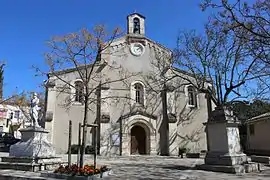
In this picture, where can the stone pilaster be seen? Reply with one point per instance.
(125, 144)
(153, 149)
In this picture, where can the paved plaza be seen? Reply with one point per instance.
(155, 168)
(169, 168)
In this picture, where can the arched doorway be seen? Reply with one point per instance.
(138, 140)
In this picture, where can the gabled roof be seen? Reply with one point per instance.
(69, 70)
(262, 117)
(137, 112)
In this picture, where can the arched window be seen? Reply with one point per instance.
(136, 26)
(192, 99)
(79, 91)
(139, 93)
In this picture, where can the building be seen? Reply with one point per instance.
(12, 118)
(132, 124)
(257, 129)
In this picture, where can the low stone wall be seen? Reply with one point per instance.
(260, 159)
(257, 152)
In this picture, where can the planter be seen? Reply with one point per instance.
(193, 155)
(67, 176)
(70, 177)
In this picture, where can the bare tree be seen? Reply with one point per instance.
(219, 59)
(86, 53)
(248, 21)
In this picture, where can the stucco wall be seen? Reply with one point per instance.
(259, 140)
(123, 69)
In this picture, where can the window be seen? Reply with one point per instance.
(115, 139)
(17, 115)
(251, 129)
(11, 115)
(79, 91)
(136, 26)
(139, 93)
(192, 98)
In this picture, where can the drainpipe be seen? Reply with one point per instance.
(121, 136)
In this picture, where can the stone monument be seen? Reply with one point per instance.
(34, 152)
(224, 150)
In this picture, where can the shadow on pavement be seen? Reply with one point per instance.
(178, 167)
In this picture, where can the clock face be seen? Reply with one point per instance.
(137, 49)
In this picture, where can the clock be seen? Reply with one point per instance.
(137, 49)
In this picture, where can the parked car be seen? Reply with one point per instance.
(7, 139)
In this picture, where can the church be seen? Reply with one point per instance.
(132, 108)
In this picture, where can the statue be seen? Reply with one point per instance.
(34, 111)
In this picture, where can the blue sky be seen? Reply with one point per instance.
(27, 24)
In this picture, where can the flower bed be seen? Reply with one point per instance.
(74, 172)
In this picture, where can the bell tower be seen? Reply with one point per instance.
(135, 24)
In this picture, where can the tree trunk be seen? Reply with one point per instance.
(164, 133)
(98, 118)
(84, 131)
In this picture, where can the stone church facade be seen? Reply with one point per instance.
(131, 107)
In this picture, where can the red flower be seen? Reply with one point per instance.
(87, 170)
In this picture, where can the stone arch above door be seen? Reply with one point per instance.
(139, 120)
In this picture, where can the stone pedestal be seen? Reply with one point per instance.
(32, 153)
(224, 149)
(34, 143)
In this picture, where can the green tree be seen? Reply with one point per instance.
(246, 110)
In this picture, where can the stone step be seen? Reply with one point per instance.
(28, 166)
(38, 160)
(236, 169)
(260, 159)
(219, 168)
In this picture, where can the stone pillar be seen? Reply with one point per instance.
(126, 144)
(223, 139)
(153, 149)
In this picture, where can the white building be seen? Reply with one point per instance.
(141, 112)
(12, 118)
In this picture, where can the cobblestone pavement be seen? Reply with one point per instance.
(155, 168)
(169, 168)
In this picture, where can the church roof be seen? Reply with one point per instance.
(135, 13)
(262, 117)
(138, 112)
(69, 70)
